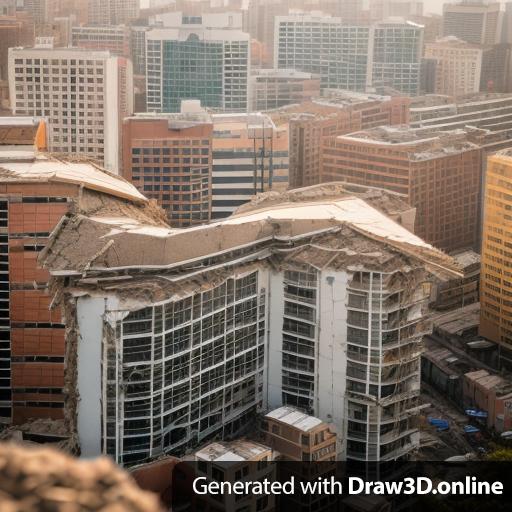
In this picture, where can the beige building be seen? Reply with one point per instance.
(298, 436)
(458, 65)
(70, 87)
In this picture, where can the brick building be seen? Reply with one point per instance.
(438, 171)
(168, 157)
(35, 192)
(336, 114)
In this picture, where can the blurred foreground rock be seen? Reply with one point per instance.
(34, 479)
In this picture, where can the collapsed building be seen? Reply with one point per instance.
(316, 298)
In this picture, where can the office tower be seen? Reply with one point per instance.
(250, 155)
(115, 39)
(352, 57)
(496, 277)
(439, 171)
(196, 60)
(428, 69)
(397, 50)
(473, 21)
(383, 9)
(274, 88)
(458, 66)
(321, 44)
(168, 157)
(112, 12)
(341, 112)
(138, 48)
(38, 192)
(84, 94)
(186, 334)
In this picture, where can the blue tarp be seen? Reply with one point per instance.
(470, 429)
(476, 413)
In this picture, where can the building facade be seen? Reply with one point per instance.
(185, 361)
(477, 22)
(496, 276)
(352, 57)
(438, 171)
(115, 39)
(458, 66)
(275, 88)
(196, 61)
(84, 95)
(168, 157)
(250, 155)
(112, 12)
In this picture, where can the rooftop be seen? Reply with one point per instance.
(28, 166)
(420, 143)
(459, 320)
(234, 451)
(295, 418)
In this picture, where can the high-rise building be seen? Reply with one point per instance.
(274, 88)
(496, 276)
(112, 12)
(353, 57)
(84, 95)
(383, 9)
(138, 48)
(250, 155)
(397, 50)
(473, 21)
(438, 171)
(168, 157)
(186, 334)
(35, 194)
(321, 44)
(196, 60)
(115, 39)
(458, 66)
(336, 114)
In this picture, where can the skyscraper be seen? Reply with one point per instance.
(197, 61)
(84, 94)
(112, 12)
(473, 21)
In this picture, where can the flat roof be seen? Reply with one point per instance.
(295, 418)
(29, 167)
(459, 320)
(234, 451)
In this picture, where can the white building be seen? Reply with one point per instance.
(84, 95)
(316, 299)
(352, 57)
(190, 57)
(458, 66)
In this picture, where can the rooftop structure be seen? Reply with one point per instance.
(229, 314)
(294, 418)
(234, 451)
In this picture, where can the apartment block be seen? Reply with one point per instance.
(458, 66)
(15, 30)
(297, 436)
(196, 60)
(115, 39)
(275, 88)
(496, 276)
(352, 57)
(477, 22)
(34, 197)
(168, 157)
(84, 95)
(185, 335)
(335, 114)
(439, 172)
(250, 155)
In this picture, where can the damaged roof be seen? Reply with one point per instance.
(40, 168)
(104, 243)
